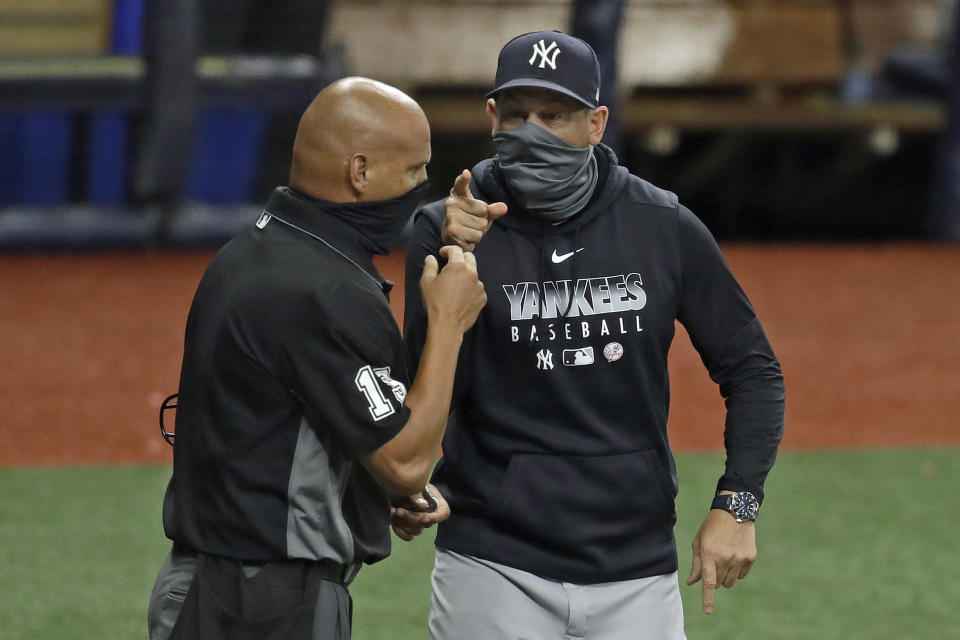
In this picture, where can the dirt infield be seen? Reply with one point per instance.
(869, 338)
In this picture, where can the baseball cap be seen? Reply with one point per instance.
(550, 60)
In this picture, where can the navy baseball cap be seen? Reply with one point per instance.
(550, 60)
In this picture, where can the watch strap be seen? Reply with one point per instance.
(742, 505)
(722, 502)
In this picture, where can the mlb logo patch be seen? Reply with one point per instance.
(578, 357)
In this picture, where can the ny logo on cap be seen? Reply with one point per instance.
(540, 49)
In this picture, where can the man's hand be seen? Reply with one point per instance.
(455, 294)
(408, 523)
(723, 551)
(466, 218)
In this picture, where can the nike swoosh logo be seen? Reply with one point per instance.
(557, 259)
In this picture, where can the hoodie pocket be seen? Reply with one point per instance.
(584, 503)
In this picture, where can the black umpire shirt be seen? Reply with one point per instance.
(293, 367)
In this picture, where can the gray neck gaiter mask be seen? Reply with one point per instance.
(547, 176)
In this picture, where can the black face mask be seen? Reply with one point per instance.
(547, 176)
(380, 221)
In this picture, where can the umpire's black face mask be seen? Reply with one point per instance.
(380, 221)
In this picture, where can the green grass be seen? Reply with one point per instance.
(852, 545)
(79, 549)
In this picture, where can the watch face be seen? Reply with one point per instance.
(745, 505)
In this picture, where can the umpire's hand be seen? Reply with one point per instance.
(410, 522)
(466, 218)
(454, 295)
(723, 552)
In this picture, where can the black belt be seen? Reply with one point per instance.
(336, 572)
(329, 570)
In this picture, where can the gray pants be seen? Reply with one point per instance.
(329, 611)
(173, 582)
(474, 598)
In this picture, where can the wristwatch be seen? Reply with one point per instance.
(742, 505)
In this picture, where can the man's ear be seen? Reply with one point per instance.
(598, 123)
(492, 112)
(357, 167)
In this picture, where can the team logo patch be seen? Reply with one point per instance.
(578, 357)
(613, 351)
(542, 50)
(398, 388)
(544, 359)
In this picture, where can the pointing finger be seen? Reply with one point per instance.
(709, 585)
(461, 186)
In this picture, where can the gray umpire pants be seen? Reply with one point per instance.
(332, 612)
(169, 590)
(474, 598)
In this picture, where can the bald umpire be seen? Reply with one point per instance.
(297, 420)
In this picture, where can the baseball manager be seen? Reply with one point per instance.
(557, 464)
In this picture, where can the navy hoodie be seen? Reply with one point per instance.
(556, 459)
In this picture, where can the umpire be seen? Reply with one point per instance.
(297, 420)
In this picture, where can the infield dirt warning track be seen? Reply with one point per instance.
(868, 336)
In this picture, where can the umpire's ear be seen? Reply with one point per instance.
(357, 167)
